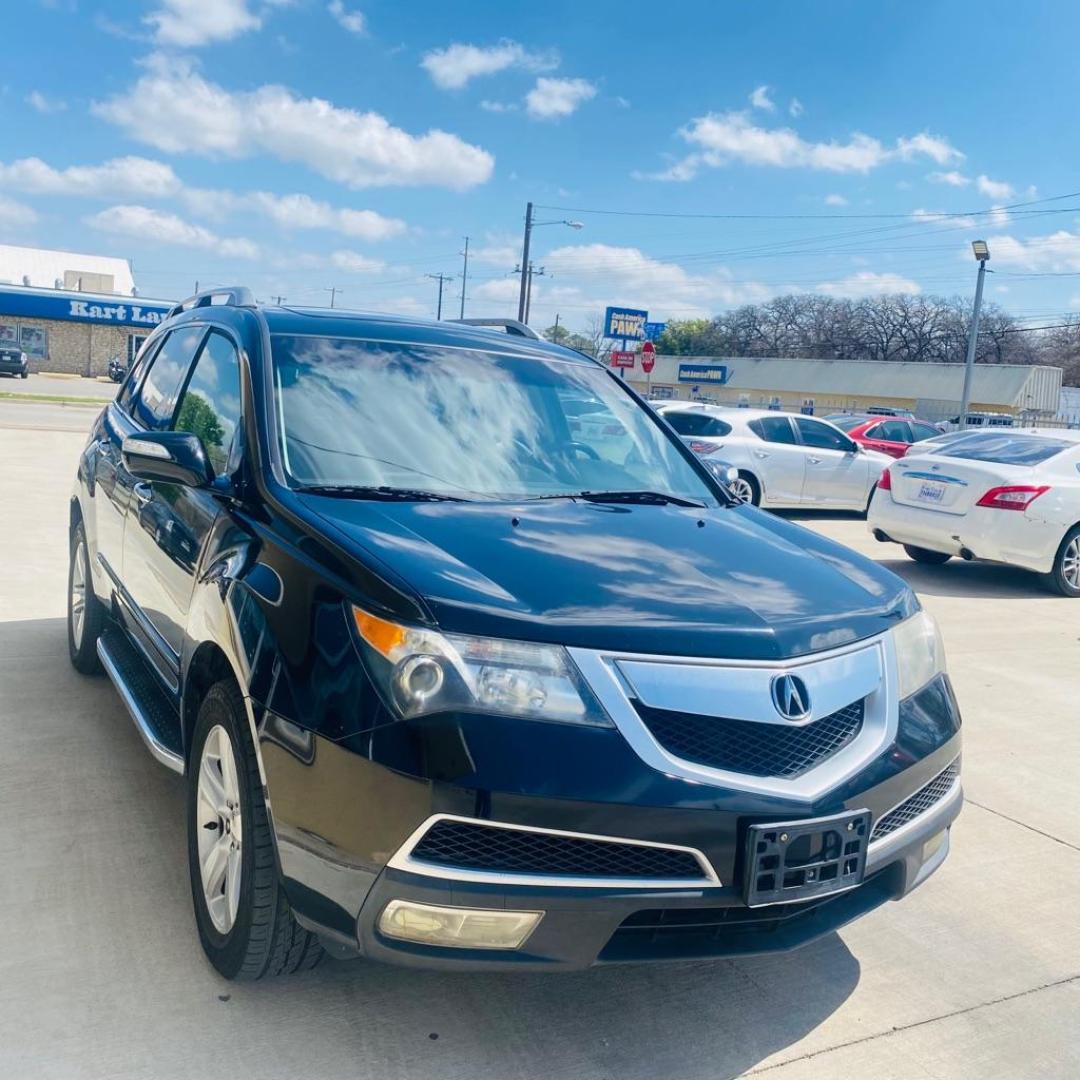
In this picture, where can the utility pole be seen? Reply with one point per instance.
(333, 290)
(279, 300)
(522, 301)
(555, 337)
(982, 255)
(533, 272)
(441, 279)
(464, 277)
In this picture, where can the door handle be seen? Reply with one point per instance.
(143, 492)
(814, 460)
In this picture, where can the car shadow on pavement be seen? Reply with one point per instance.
(84, 807)
(977, 580)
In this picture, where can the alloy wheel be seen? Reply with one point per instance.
(1070, 563)
(220, 829)
(741, 490)
(77, 600)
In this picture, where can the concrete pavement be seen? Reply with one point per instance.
(976, 974)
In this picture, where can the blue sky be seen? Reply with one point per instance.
(298, 145)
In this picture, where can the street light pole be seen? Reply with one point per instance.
(525, 261)
(982, 254)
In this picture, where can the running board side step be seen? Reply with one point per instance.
(155, 718)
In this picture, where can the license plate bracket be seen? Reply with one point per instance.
(799, 860)
(931, 492)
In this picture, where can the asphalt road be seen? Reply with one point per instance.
(62, 386)
(975, 974)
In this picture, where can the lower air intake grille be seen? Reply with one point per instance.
(919, 803)
(471, 846)
(749, 747)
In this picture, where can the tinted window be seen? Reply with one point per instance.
(923, 431)
(847, 423)
(821, 436)
(893, 431)
(1007, 449)
(156, 399)
(127, 391)
(774, 429)
(478, 425)
(696, 423)
(210, 406)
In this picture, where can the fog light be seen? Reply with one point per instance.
(460, 928)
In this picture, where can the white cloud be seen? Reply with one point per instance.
(37, 100)
(1057, 252)
(553, 98)
(937, 149)
(835, 200)
(118, 177)
(680, 171)
(867, 283)
(623, 103)
(303, 212)
(189, 23)
(994, 189)
(999, 217)
(760, 99)
(14, 214)
(453, 67)
(173, 107)
(142, 223)
(939, 217)
(498, 252)
(498, 106)
(354, 263)
(952, 178)
(795, 108)
(722, 138)
(353, 21)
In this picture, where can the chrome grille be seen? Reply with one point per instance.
(919, 803)
(474, 846)
(749, 747)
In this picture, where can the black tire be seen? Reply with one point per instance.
(869, 500)
(1058, 580)
(264, 939)
(926, 556)
(24, 374)
(83, 652)
(755, 487)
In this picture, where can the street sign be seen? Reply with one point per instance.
(654, 329)
(622, 359)
(648, 357)
(625, 323)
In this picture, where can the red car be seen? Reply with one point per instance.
(890, 435)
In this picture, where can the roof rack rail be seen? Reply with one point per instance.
(511, 326)
(235, 296)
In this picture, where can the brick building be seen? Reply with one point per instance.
(70, 312)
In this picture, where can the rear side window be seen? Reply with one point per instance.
(774, 429)
(1007, 449)
(821, 436)
(156, 400)
(210, 405)
(847, 423)
(923, 431)
(893, 431)
(127, 391)
(695, 423)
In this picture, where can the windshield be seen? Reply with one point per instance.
(466, 423)
(1006, 449)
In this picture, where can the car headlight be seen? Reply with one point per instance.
(420, 672)
(920, 653)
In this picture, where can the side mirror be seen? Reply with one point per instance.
(853, 447)
(173, 457)
(726, 474)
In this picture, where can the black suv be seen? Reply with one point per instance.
(457, 679)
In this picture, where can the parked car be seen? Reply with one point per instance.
(886, 435)
(1010, 497)
(889, 410)
(982, 420)
(784, 459)
(450, 688)
(13, 362)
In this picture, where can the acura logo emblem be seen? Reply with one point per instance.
(790, 697)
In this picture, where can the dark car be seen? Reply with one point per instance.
(13, 362)
(452, 687)
(889, 435)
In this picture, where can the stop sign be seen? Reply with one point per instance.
(648, 357)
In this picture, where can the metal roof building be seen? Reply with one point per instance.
(821, 386)
(49, 269)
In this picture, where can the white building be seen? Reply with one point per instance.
(47, 269)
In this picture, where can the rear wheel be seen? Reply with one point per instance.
(926, 556)
(1064, 578)
(245, 923)
(85, 613)
(745, 489)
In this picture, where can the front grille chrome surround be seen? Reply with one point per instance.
(914, 806)
(419, 853)
(863, 671)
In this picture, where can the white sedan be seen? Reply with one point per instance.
(783, 459)
(1007, 496)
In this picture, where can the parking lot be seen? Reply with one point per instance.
(101, 975)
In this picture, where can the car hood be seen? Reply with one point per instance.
(725, 582)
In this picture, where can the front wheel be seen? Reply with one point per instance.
(926, 556)
(85, 612)
(1064, 578)
(246, 925)
(745, 489)
(24, 374)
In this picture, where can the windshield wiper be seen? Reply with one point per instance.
(378, 494)
(640, 498)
